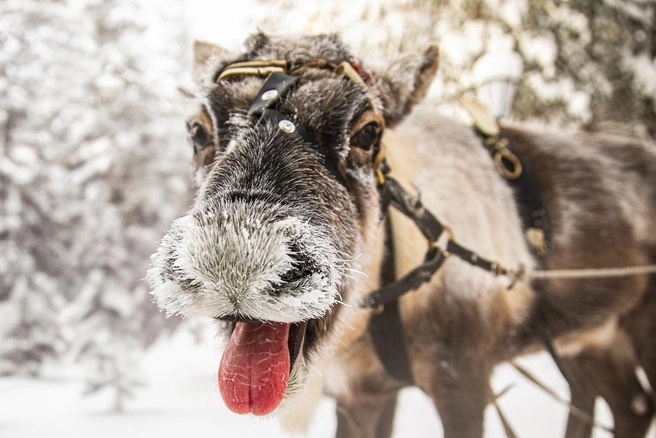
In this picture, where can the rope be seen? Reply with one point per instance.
(578, 413)
(585, 273)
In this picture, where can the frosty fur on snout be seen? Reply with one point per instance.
(229, 263)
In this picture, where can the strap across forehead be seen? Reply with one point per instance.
(273, 89)
(263, 69)
(278, 82)
(253, 68)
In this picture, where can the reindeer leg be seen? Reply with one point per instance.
(460, 397)
(386, 419)
(583, 398)
(640, 326)
(366, 416)
(609, 371)
(628, 401)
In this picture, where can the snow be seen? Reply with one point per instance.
(542, 50)
(182, 399)
(512, 12)
(644, 70)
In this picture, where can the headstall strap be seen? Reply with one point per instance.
(253, 68)
(393, 194)
(276, 85)
(385, 325)
(518, 173)
(273, 89)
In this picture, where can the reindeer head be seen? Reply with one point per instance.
(287, 207)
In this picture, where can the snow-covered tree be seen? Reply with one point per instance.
(601, 66)
(93, 168)
(588, 63)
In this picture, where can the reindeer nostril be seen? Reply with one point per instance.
(302, 265)
(295, 274)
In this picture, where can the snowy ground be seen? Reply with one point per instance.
(181, 399)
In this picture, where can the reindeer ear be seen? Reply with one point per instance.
(403, 82)
(206, 57)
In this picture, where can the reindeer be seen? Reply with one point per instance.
(286, 238)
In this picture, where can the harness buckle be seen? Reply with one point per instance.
(442, 242)
(503, 158)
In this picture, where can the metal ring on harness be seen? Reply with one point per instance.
(504, 156)
(442, 242)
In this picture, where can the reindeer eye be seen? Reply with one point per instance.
(367, 136)
(199, 137)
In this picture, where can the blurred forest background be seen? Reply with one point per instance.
(93, 154)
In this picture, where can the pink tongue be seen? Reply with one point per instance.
(254, 369)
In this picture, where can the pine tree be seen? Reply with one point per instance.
(34, 261)
(93, 168)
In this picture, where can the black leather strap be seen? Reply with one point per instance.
(385, 328)
(393, 194)
(391, 292)
(388, 338)
(276, 85)
(530, 203)
(454, 248)
(412, 207)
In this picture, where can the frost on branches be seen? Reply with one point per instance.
(92, 172)
(587, 63)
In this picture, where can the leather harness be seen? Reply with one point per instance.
(385, 325)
